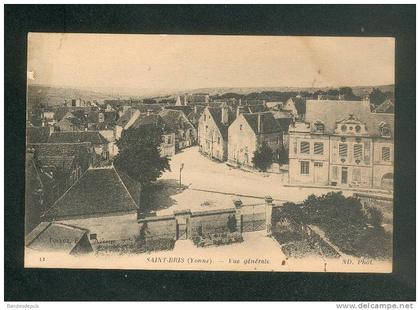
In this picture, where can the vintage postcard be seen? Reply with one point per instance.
(192, 152)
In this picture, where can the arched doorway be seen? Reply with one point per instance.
(387, 181)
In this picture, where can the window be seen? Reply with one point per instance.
(304, 147)
(343, 128)
(205, 117)
(304, 167)
(169, 140)
(358, 151)
(218, 140)
(93, 236)
(207, 127)
(318, 164)
(319, 126)
(386, 154)
(240, 127)
(358, 128)
(342, 150)
(385, 130)
(318, 148)
(334, 173)
(357, 175)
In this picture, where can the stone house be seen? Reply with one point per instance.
(185, 132)
(296, 106)
(125, 121)
(248, 132)
(213, 131)
(104, 201)
(167, 146)
(342, 143)
(194, 116)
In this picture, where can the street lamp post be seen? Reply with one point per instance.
(180, 170)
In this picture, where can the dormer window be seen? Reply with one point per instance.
(319, 127)
(384, 130)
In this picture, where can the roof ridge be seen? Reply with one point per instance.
(37, 236)
(125, 187)
(61, 197)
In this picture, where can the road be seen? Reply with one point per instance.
(201, 173)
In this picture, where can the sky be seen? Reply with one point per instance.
(188, 62)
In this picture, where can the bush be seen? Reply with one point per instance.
(263, 157)
(217, 239)
(159, 244)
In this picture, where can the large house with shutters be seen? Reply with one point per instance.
(213, 131)
(342, 143)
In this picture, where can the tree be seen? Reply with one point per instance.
(139, 154)
(376, 97)
(263, 157)
(347, 93)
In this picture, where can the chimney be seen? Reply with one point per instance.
(149, 111)
(225, 115)
(259, 122)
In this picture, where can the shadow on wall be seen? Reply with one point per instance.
(158, 196)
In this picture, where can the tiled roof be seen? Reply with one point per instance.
(93, 137)
(64, 149)
(98, 191)
(268, 122)
(187, 109)
(385, 107)
(62, 162)
(37, 134)
(154, 108)
(256, 108)
(300, 104)
(81, 151)
(196, 115)
(331, 111)
(216, 114)
(55, 237)
(144, 120)
(175, 120)
(125, 118)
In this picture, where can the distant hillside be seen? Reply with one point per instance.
(357, 90)
(53, 96)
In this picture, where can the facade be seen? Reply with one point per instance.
(342, 143)
(248, 132)
(104, 201)
(125, 121)
(167, 146)
(213, 132)
(296, 106)
(184, 130)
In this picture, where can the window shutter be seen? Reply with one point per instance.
(318, 148)
(342, 150)
(304, 147)
(386, 154)
(358, 151)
